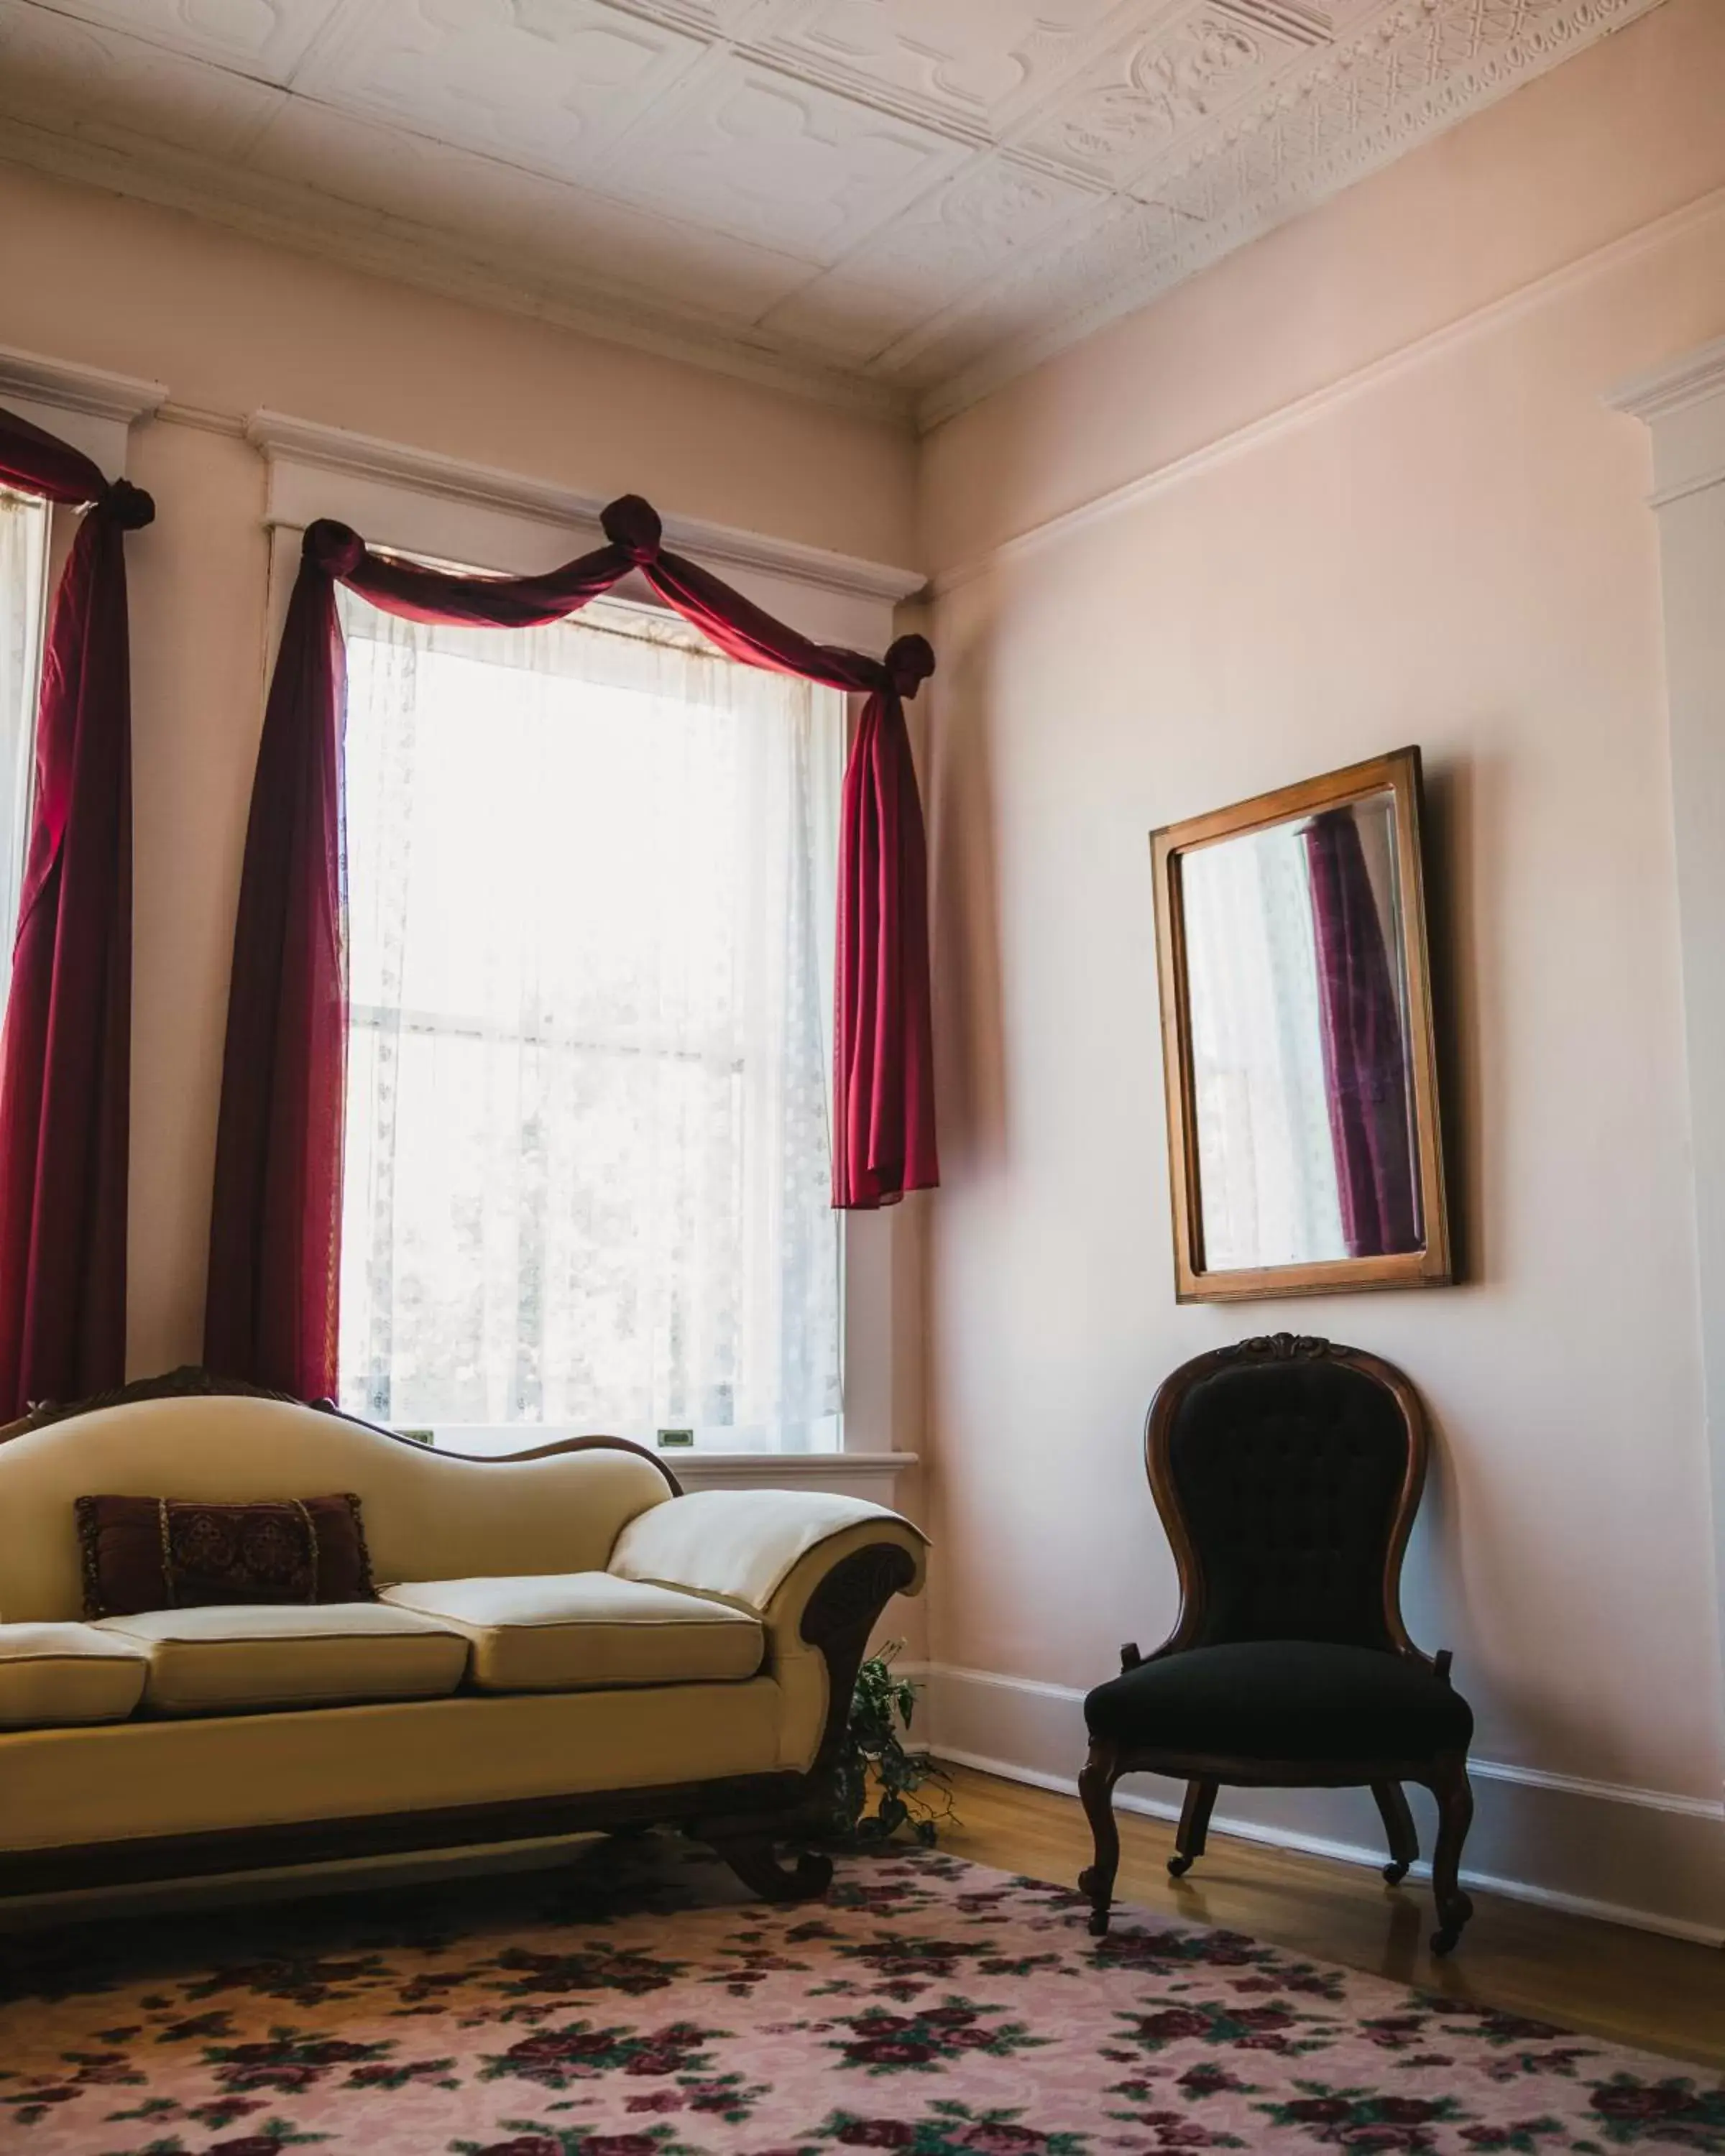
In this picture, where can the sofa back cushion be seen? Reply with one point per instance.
(427, 1515)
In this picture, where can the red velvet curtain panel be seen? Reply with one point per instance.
(65, 1055)
(273, 1309)
(1364, 1046)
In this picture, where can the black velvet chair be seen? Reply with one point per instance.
(1287, 1473)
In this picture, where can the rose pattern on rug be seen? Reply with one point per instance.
(634, 2004)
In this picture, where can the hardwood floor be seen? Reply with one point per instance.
(1663, 1994)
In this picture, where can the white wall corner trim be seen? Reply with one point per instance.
(86, 406)
(1651, 1858)
(1682, 404)
(420, 501)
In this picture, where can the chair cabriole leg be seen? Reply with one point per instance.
(1398, 1825)
(1194, 1826)
(1449, 1785)
(1096, 1786)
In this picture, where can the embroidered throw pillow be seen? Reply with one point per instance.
(173, 1553)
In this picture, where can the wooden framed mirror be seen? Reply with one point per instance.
(1305, 1152)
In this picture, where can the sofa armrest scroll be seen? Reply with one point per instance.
(818, 1570)
(754, 1547)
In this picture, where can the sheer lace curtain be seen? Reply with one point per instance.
(23, 547)
(591, 892)
(1266, 1160)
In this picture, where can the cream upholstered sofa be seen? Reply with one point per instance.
(560, 1641)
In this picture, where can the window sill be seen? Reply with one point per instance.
(871, 1474)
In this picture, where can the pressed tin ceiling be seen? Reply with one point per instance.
(900, 203)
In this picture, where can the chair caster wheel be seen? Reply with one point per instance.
(1394, 1874)
(1444, 1942)
(1179, 1866)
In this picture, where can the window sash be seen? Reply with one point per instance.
(628, 645)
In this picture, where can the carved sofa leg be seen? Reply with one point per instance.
(842, 1612)
(756, 1860)
(1096, 1786)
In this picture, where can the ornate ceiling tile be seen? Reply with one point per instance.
(267, 38)
(783, 163)
(94, 84)
(953, 239)
(971, 65)
(1160, 91)
(1116, 242)
(541, 83)
(557, 235)
(712, 18)
(1328, 123)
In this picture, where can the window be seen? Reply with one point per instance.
(592, 883)
(23, 569)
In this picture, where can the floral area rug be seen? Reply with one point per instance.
(637, 2004)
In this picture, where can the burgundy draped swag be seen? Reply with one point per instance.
(275, 1232)
(66, 1056)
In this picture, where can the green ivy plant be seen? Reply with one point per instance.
(909, 1789)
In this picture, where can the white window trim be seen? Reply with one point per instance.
(92, 409)
(416, 502)
(1683, 407)
(420, 503)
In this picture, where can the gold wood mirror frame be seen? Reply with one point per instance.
(1304, 1151)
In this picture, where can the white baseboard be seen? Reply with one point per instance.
(1648, 1858)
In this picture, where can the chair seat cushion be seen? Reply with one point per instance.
(55, 1674)
(1282, 1699)
(572, 1631)
(236, 1657)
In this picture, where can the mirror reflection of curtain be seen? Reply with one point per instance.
(1267, 1164)
(592, 892)
(1364, 1041)
(24, 543)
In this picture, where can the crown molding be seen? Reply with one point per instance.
(307, 444)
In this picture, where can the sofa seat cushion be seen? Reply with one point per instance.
(570, 1631)
(237, 1657)
(55, 1674)
(1282, 1699)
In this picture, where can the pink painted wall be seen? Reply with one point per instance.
(231, 325)
(1392, 507)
